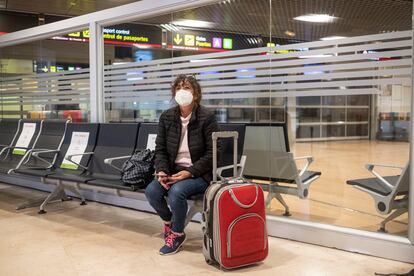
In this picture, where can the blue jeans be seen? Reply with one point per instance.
(177, 197)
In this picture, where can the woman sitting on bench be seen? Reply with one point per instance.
(183, 159)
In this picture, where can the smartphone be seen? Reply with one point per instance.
(158, 174)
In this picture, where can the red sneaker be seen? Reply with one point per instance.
(167, 230)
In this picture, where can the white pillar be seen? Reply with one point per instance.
(96, 63)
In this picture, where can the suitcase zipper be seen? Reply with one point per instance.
(231, 226)
(209, 215)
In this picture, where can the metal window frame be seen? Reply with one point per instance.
(411, 168)
(388, 246)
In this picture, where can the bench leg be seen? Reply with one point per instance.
(196, 208)
(60, 194)
(269, 198)
(56, 193)
(78, 194)
(392, 216)
(63, 196)
(271, 195)
(282, 201)
(30, 203)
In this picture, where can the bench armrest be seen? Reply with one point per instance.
(12, 147)
(4, 149)
(15, 147)
(309, 160)
(27, 156)
(40, 151)
(32, 152)
(69, 158)
(240, 165)
(370, 168)
(109, 161)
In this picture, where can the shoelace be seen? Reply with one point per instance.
(169, 241)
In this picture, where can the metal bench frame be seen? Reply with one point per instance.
(393, 204)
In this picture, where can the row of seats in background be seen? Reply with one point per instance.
(88, 156)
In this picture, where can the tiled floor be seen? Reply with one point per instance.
(99, 239)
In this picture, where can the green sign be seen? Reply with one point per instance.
(19, 151)
(227, 43)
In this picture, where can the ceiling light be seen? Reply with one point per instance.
(175, 28)
(166, 27)
(193, 23)
(319, 18)
(332, 37)
(289, 33)
(170, 27)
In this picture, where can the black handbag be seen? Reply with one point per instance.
(138, 170)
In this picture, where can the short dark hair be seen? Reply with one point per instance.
(181, 79)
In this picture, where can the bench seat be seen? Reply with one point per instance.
(376, 186)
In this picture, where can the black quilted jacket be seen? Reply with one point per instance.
(202, 124)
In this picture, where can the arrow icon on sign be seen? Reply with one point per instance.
(178, 39)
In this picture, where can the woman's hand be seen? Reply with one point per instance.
(178, 177)
(162, 179)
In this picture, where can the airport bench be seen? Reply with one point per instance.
(390, 193)
(79, 137)
(98, 166)
(269, 160)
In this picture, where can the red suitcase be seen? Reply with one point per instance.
(234, 220)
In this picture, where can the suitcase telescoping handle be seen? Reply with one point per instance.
(224, 134)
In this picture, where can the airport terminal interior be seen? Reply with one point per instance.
(320, 92)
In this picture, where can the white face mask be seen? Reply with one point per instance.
(183, 97)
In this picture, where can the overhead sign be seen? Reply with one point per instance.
(178, 39)
(123, 35)
(217, 42)
(129, 34)
(194, 41)
(51, 66)
(145, 36)
(228, 43)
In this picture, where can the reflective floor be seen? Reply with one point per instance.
(331, 200)
(99, 239)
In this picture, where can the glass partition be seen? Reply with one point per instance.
(320, 98)
(46, 79)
